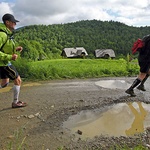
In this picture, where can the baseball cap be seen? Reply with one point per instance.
(9, 17)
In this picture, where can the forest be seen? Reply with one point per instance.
(48, 41)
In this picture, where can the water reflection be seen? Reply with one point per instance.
(112, 84)
(138, 123)
(122, 119)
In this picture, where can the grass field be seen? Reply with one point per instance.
(76, 68)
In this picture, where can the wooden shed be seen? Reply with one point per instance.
(104, 53)
(78, 52)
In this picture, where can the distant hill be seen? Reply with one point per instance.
(90, 34)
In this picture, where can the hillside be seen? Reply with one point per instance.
(51, 39)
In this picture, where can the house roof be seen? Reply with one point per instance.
(103, 52)
(73, 52)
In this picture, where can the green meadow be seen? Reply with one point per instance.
(76, 68)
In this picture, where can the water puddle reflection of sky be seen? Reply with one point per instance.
(124, 119)
(113, 84)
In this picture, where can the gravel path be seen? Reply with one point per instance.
(39, 126)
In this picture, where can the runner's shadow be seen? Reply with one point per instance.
(5, 109)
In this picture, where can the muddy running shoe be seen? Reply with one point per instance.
(141, 87)
(19, 104)
(131, 92)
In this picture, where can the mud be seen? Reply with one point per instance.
(39, 126)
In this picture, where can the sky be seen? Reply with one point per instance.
(46, 12)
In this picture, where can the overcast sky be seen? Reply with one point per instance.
(30, 12)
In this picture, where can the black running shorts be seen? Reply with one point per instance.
(144, 66)
(8, 72)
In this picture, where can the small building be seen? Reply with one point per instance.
(78, 52)
(104, 53)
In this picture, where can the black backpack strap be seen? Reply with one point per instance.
(5, 41)
(146, 38)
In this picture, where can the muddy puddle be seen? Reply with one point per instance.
(124, 119)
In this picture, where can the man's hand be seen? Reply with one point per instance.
(14, 57)
(19, 48)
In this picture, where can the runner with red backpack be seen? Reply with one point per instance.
(142, 46)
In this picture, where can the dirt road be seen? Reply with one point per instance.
(39, 126)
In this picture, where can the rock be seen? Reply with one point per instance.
(11, 137)
(79, 132)
(31, 116)
(18, 117)
(81, 100)
(37, 114)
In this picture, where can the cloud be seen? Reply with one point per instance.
(30, 12)
(42, 7)
(5, 7)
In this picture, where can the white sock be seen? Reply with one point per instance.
(16, 90)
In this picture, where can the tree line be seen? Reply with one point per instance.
(48, 41)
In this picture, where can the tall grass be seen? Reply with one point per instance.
(18, 141)
(75, 68)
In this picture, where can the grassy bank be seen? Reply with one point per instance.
(75, 68)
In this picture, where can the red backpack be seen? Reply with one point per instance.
(137, 45)
(140, 43)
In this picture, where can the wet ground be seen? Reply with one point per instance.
(76, 115)
(123, 119)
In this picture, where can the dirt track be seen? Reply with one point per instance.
(50, 103)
